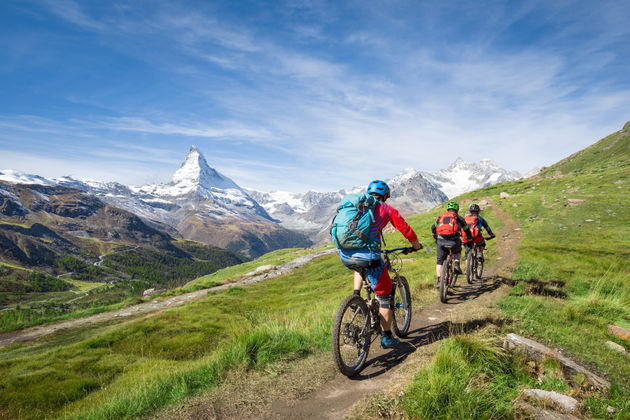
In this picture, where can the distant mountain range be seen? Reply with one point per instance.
(204, 205)
(412, 192)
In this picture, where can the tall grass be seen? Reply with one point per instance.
(469, 378)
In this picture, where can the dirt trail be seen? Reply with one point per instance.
(468, 306)
(34, 333)
(313, 388)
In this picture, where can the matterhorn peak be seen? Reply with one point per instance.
(196, 171)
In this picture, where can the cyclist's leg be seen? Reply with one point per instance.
(480, 247)
(383, 291)
(457, 253)
(358, 282)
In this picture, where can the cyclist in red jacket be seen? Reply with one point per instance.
(447, 231)
(370, 262)
(476, 222)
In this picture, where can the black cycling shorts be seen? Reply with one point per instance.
(442, 251)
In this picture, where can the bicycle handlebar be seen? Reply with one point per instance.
(405, 250)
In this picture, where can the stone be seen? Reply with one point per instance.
(616, 347)
(539, 353)
(538, 413)
(504, 195)
(574, 201)
(555, 399)
(265, 268)
(619, 332)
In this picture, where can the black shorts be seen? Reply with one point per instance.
(442, 252)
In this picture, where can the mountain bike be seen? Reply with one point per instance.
(448, 274)
(358, 318)
(474, 262)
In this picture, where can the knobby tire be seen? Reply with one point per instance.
(445, 279)
(402, 308)
(351, 335)
(479, 268)
(470, 268)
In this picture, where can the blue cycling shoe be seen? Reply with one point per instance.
(389, 342)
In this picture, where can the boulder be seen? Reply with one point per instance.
(504, 195)
(264, 268)
(619, 332)
(554, 399)
(539, 352)
(544, 414)
(616, 347)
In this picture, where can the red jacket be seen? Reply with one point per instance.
(383, 214)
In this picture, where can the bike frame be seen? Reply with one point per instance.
(371, 301)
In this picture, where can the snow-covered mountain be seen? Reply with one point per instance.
(413, 191)
(312, 212)
(199, 203)
(461, 176)
(202, 204)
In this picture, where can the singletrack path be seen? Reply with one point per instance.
(34, 333)
(314, 389)
(429, 324)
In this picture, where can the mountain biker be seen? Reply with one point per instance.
(479, 222)
(447, 231)
(371, 263)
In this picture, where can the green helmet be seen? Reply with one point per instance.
(452, 205)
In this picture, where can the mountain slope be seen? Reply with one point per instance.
(54, 239)
(412, 192)
(259, 332)
(199, 204)
(461, 176)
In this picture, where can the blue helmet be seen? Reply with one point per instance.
(378, 187)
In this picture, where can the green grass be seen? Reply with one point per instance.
(134, 368)
(469, 378)
(139, 366)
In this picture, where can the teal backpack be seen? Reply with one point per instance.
(350, 229)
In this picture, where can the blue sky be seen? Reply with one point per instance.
(299, 95)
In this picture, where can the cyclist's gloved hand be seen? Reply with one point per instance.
(416, 245)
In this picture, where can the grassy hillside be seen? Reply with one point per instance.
(132, 368)
(137, 366)
(572, 280)
(36, 295)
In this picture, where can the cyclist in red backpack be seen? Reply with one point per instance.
(370, 262)
(447, 231)
(476, 223)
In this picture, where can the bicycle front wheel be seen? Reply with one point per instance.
(479, 268)
(402, 308)
(445, 279)
(351, 335)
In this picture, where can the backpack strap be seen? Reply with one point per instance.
(352, 225)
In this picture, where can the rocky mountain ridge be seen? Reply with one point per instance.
(202, 204)
(413, 191)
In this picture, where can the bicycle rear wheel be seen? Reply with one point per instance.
(445, 279)
(470, 269)
(351, 335)
(402, 308)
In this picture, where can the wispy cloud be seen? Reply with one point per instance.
(71, 11)
(292, 93)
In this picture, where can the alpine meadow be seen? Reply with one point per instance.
(237, 351)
